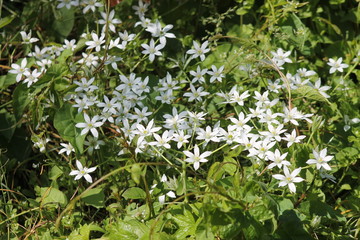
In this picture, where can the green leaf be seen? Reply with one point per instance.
(215, 172)
(55, 173)
(65, 120)
(310, 93)
(49, 196)
(291, 227)
(136, 173)
(84, 232)
(94, 197)
(130, 230)
(64, 22)
(7, 124)
(63, 56)
(230, 165)
(134, 193)
(186, 223)
(6, 20)
(21, 98)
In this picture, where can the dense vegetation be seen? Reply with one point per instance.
(180, 119)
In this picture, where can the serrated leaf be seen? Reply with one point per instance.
(186, 223)
(130, 230)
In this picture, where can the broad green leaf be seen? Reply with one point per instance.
(65, 120)
(130, 230)
(134, 193)
(21, 99)
(136, 172)
(186, 223)
(291, 227)
(95, 197)
(55, 173)
(230, 165)
(51, 196)
(64, 22)
(64, 56)
(7, 124)
(84, 232)
(316, 207)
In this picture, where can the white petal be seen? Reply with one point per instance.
(79, 165)
(88, 178)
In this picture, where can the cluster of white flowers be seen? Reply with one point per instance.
(261, 128)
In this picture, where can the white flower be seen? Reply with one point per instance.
(19, 69)
(91, 4)
(68, 148)
(163, 140)
(216, 74)
(144, 132)
(157, 31)
(198, 51)
(289, 178)
(93, 143)
(321, 89)
(198, 75)
(277, 158)
(27, 39)
(196, 157)
(141, 8)
(180, 138)
(236, 97)
(336, 65)
(67, 3)
(89, 60)
(195, 94)
(70, 44)
(152, 50)
(321, 160)
(280, 57)
(273, 132)
(109, 20)
(31, 77)
(170, 194)
(82, 172)
(208, 134)
(96, 42)
(85, 85)
(90, 125)
(292, 138)
(41, 144)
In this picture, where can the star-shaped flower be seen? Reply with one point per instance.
(82, 172)
(336, 65)
(196, 157)
(321, 160)
(289, 178)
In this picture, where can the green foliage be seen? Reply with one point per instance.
(141, 189)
